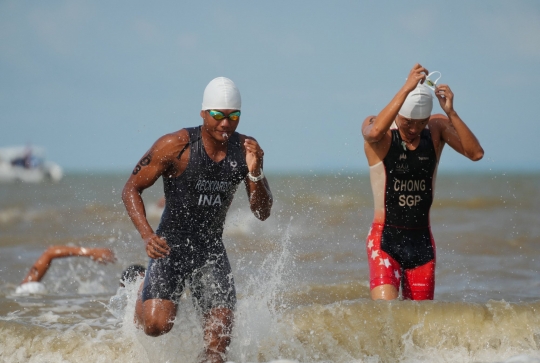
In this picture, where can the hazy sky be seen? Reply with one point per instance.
(97, 82)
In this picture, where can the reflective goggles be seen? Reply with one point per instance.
(218, 115)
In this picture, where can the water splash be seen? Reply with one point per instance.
(257, 329)
(257, 321)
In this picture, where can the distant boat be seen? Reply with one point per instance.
(27, 164)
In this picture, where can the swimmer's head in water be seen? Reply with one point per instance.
(32, 287)
(221, 94)
(418, 104)
(131, 273)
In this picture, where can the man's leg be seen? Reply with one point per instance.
(218, 324)
(155, 310)
(155, 316)
(214, 292)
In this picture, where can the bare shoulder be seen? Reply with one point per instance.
(174, 140)
(438, 120)
(170, 145)
(437, 124)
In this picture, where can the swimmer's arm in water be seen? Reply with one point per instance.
(40, 267)
(375, 128)
(160, 160)
(453, 130)
(260, 196)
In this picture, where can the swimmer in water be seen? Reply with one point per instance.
(32, 284)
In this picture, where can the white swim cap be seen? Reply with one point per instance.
(32, 287)
(418, 104)
(221, 94)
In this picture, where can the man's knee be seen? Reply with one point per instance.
(157, 316)
(156, 327)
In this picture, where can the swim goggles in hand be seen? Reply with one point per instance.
(429, 82)
(218, 115)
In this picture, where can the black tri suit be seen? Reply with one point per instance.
(409, 194)
(401, 244)
(192, 224)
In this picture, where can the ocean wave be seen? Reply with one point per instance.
(406, 331)
(343, 332)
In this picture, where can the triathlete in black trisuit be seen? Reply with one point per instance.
(403, 166)
(201, 169)
(196, 203)
(403, 246)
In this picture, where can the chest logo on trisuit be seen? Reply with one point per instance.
(212, 200)
(211, 190)
(402, 168)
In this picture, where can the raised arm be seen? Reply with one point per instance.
(453, 130)
(40, 267)
(158, 161)
(260, 196)
(374, 128)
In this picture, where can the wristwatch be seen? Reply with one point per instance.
(256, 178)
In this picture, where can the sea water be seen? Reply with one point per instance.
(301, 276)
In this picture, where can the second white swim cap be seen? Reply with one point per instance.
(221, 94)
(32, 287)
(418, 104)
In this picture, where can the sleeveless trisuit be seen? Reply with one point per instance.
(196, 203)
(400, 243)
